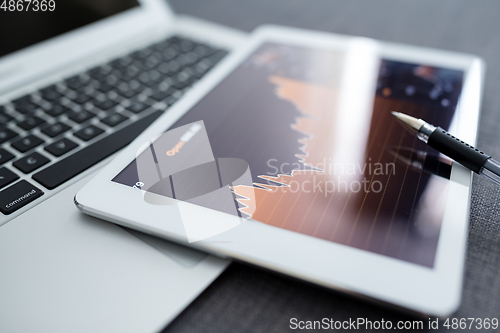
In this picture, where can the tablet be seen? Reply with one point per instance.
(287, 156)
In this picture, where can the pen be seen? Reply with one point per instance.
(456, 149)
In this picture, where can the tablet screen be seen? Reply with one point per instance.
(319, 167)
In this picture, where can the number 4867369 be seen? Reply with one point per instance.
(471, 323)
(28, 5)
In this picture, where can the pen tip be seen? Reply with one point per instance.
(411, 123)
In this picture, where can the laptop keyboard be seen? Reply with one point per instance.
(53, 134)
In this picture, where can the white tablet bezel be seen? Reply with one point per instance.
(421, 289)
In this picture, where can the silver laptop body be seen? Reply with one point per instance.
(63, 271)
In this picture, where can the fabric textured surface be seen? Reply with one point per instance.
(248, 299)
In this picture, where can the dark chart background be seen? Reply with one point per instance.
(245, 119)
(247, 299)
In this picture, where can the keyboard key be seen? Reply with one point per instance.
(5, 156)
(136, 85)
(122, 74)
(184, 79)
(180, 85)
(31, 162)
(152, 61)
(81, 116)
(50, 93)
(4, 118)
(170, 68)
(186, 45)
(159, 95)
(104, 87)
(55, 129)
(106, 104)
(26, 107)
(171, 100)
(6, 134)
(17, 196)
(7, 177)
(139, 65)
(188, 59)
(170, 53)
(203, 50)
(61, 147)
(130, 93)
(75, 82)
(30, 123)
(114, 119)
(161, 46)
(150, 79)
(202, 67)
(141, 54)
(138, 107)
(57, 110)
(74, 164)
(86, 90)
(88, 132)
(121, 63)
(99, 73)
(22, 100)
(130, 73)
(81, 98)
(27, 143)
(124, 90)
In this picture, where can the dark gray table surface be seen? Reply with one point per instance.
(247, 299)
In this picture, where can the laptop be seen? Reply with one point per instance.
(72, 93)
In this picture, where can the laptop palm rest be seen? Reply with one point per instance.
(58, 263)
(183, 255)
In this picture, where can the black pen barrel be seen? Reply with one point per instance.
(458, 150)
